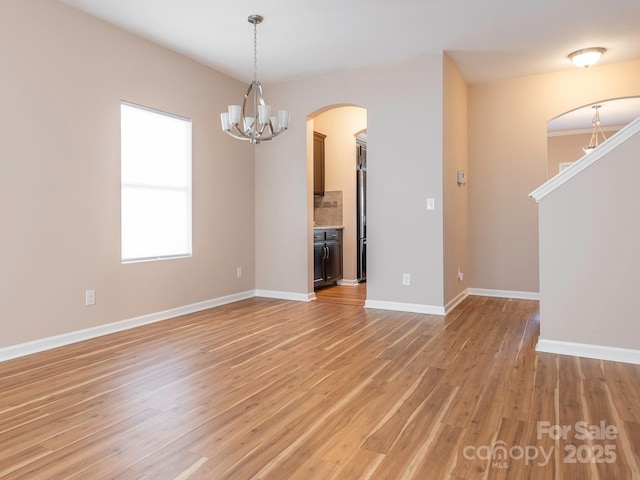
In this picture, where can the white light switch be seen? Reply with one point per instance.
(431, 203)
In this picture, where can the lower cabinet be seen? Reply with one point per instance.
(327, 256)
(318, 264)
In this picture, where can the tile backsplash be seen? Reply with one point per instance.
(327, 210)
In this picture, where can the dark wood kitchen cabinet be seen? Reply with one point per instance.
(327, 256)
(318, 163)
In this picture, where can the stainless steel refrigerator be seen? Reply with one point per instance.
(361, 189)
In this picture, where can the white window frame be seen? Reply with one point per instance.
(131, 187)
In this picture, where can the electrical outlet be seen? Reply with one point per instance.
(89, 298)
(239, 272)
(460, 275)
(406, 279)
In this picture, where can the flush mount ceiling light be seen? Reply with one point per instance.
(587, 56)
(597, 129)
(256, 125)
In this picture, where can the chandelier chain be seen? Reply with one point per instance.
(255, 52)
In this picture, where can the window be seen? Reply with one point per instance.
(155, 184)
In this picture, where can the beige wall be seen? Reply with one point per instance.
(340, 125)
(564, 148)
(589, 258)
(508, 159)
(455, 157)
(63, 76)
(404, 140)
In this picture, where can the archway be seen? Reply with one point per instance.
(570, 131)
(336, 205)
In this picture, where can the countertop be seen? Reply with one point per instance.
(321, 227)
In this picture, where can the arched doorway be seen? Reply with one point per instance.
(338, 127)
(569, 132)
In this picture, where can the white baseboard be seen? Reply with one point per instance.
(435, 310)
(599, 352)
(405, 307)
(349, 282)
(28, 348)
(484, 292)
(35, 346)
(456, 301)
(296, 297)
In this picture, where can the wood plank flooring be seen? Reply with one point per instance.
(343, 294)
(284, 390)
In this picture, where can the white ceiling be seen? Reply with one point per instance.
(486, 39)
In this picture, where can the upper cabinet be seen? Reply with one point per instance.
(318, 163)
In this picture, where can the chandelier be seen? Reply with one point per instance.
(593, 143)
(253, 121)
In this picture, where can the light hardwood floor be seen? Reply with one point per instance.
(343, 294)
(283, 390)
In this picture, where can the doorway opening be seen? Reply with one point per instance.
(336, 137)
